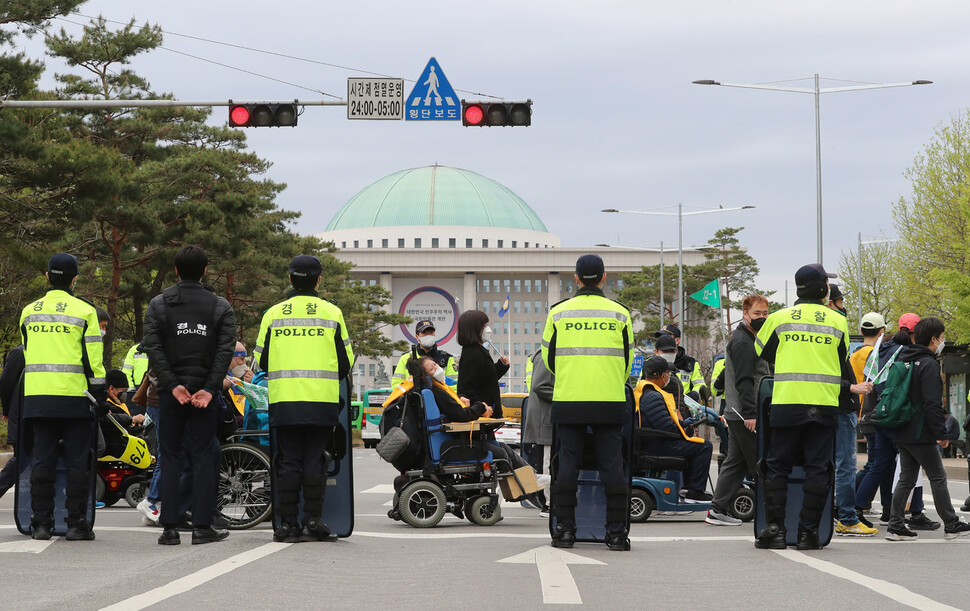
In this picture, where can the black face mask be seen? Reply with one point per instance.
(843, 311)
(757, 323)
(122, 397)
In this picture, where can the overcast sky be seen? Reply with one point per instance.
(616, 120)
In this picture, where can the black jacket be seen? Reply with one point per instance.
(197, 359)
(452, 411)
(743, 370)
(12, 391)
(928, 423)
(478, 377)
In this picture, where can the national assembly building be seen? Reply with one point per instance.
(444, 240)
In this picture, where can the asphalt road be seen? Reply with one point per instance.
(677, 562)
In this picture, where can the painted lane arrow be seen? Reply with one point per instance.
(558, 586)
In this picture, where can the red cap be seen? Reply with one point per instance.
(908, 321)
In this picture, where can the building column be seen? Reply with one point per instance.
(553, 293)
(387, 283)
(469, 294)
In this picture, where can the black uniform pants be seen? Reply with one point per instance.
(188, 429)
(78, 436)
(609, 457)
(813, 442)
(301, 450)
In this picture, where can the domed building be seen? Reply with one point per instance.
(444, 240)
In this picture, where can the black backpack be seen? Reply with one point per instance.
(409, 420)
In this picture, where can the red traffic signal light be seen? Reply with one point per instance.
(263, 115)
(496, 114)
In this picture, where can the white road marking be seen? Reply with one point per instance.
(558, 585)
(891, 591)
(380, 489)
(28, 546)
(180, 586)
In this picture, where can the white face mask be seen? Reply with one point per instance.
(103, 332)
(439, 374)
(486, 334)
(670, 357)
(939, 349)
(427, 340)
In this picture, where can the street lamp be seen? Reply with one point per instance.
(816, 91)
(680, 214)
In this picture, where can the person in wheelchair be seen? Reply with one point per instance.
(428, 374)
(657, 409)
(116, 403)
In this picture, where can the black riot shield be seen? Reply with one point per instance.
(590, 496)
(795, 481)
(338, 500)
(22, 502)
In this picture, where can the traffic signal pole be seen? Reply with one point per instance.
(156, 103)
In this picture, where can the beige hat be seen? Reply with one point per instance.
(873, 320)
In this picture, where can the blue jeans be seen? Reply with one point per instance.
(154, 495)
(845, 469)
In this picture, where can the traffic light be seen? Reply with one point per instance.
(496, 114)
(262, 115)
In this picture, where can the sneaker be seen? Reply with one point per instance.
(146, 521)
(151, 511)
(543, 480)
(920, 521)
(960, 529)
(544, 512)
(721, 519)
(884, 518)
(697, 496)
(902, 534)
(862, 517)
(99, 505)
(854, 530)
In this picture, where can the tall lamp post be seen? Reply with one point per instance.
(680, 214)
(816, 91)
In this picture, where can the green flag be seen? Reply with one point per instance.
(710, 295)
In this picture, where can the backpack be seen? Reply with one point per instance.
(405, 414)
(895, 409)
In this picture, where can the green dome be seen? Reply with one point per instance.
(436, 195)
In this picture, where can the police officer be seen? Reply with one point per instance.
(304, 348)
(190, 334)
(63, 356)
(135, 366)
(688, 369)
(808, 344)
(588, 345)
(427, 346)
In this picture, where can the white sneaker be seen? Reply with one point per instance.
(150, 511)
(543, 480)
(721, 519)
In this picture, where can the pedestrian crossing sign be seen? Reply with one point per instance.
(432, 98)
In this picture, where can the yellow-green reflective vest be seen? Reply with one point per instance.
(807, 344)
(135, 366)
(588, 345)
(298, 346)
(63, 354)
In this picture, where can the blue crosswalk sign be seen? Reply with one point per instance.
(432, 98)
(637, 366)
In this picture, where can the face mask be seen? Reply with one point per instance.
(103, 332)
(842, 311)
(757, 323)
(427, 340)
(670, 357)
(439, 374)
(123, 397)
(939, 349)
(486, 335)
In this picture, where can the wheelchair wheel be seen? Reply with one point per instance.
(244, 495)
(481, 511)
(743, 507)
(135, 492)
(422, 504)
(641, 505)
